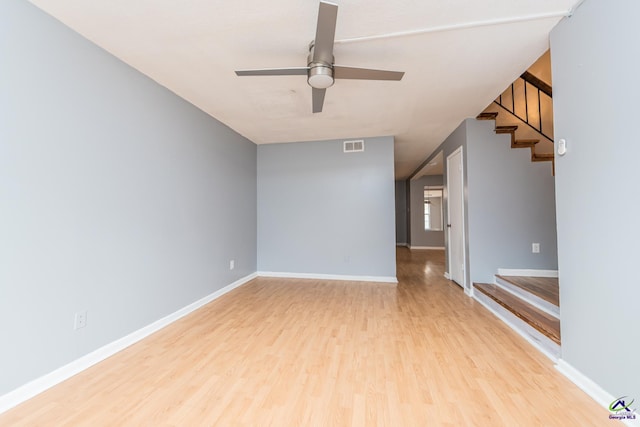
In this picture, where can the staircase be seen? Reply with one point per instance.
(529, 305)
(519, 143)
(525, 110)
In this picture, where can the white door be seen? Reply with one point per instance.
(455, 219)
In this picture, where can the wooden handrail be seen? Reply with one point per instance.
(544, 87)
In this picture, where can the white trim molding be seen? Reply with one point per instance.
(435, 248)
(462, 26)
(527, 272)
(447, 275)
(586, 384)
(37, 386)
(380, 279)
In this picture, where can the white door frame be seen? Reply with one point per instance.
(464, 254)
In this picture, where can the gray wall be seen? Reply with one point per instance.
(116, 197)
(511, 204)
(419, 236)
(322, 211)
(595, 66)
(401, 213)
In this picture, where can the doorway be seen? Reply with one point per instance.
(455, 218)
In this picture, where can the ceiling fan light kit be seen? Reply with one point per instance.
(320, 76)
(320, 69)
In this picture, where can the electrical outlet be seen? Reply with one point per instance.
(232, 264)
(535, 248)
(80, 320)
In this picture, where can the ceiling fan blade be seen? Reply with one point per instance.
(293, 71)
(325, 32)
(317, 96)
(342, 72)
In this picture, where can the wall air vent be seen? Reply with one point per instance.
(353, 146)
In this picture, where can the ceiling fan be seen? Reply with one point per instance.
(320, 69)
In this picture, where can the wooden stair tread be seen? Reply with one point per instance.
(519, 143)
(506, 129)
(545, 157)
(546, 288)
(544, 323)
(526, 142)
(487, 116)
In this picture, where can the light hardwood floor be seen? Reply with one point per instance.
(287, 352)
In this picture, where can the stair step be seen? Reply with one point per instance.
(544, 323)
(523, 143)
(545, 157)
(506, 129)
(546, 288)
(541, 292)
(487, 116)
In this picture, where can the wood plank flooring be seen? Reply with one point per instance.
(278, 352)
(544, 323)
(546, 288)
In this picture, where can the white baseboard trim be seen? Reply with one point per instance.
(586, 384)
(527, 272)
(381, 279)
(439, 248)
(447, 275)
(37, 386)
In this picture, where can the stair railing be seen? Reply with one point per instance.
(531, 100)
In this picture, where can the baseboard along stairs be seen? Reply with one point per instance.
(529, 305)
(519, 143)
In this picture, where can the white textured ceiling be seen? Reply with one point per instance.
(193, 47)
